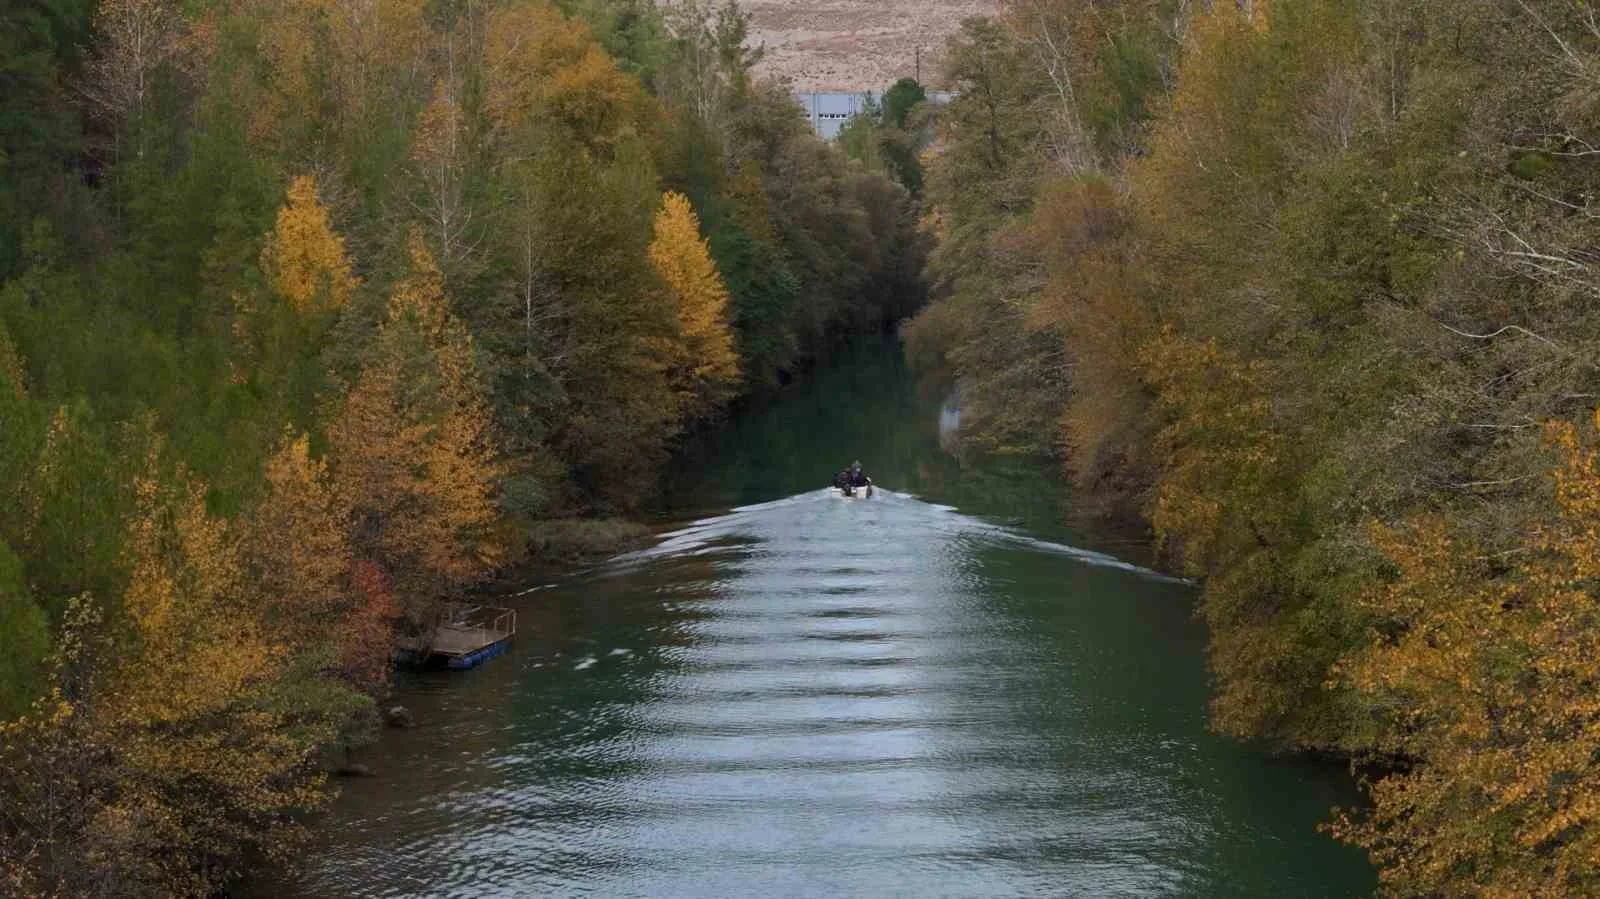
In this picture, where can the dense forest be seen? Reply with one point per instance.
(316, 312)
(1311, 287)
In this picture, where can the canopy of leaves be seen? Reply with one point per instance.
(1301, 284)
(310, 314)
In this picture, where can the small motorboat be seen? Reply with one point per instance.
(854, 492)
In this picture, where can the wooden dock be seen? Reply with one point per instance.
(466, 636)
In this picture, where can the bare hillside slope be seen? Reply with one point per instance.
(852, 45)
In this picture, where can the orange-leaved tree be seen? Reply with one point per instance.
(304, 258)
(183, 748)
(415, 457)
(705, 365)
(543, 69)
(299, 559)
(1486, 667)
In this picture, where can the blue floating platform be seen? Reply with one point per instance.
(466, 637)
(478, 657)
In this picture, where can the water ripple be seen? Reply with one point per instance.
(818, 696)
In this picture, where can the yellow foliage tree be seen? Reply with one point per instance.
(544, 67)
(304, 258)
(208, 764)
(296, 546)
(706, 365)
(415, 454)
(188, 751)
(299, 557)
(1489, 668)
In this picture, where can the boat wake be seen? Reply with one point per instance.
(816, 516)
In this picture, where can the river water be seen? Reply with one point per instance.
(934, 692)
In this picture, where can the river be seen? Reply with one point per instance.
(934, 692)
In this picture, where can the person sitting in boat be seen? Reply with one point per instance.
(858, 478)
(841, 481)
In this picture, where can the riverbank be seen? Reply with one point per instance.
(1302, 279)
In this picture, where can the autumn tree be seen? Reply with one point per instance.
(1094, 299)
(541, 67)
(278, 335)
(415, 456)
(189, 749)
(300, 563)
(1486, 671)
(706, 368)
(304, 258)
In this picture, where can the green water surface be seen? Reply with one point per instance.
(934, 692)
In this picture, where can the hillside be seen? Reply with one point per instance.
(856, 44)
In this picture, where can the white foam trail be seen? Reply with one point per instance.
(747, 525)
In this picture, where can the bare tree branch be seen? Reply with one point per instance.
(1517, 328)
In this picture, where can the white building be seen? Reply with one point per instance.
(829, 110)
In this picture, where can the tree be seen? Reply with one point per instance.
(1487, 669)
(304, 258)
(415, 457)
(26, 632)
(37, 121)
(540, 67)
(978, 329)
(632, 31)
(706, 367)
(439, 153)
(160, 762)
(713, 58)
(136, 38)
(901, 99)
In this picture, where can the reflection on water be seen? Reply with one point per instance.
(819, 696)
